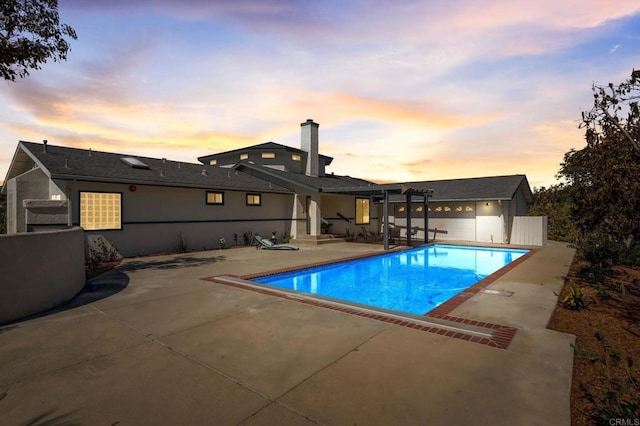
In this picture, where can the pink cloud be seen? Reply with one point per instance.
(337, 106)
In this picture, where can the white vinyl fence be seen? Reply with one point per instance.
(529, 230)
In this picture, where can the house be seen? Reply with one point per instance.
(150, 205)
(475, 209)
(142, 205)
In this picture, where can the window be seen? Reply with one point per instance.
(296, 157)
(100, 210)
(214, 198)
(451, 211)
(244, 156)
(362, 211)
(268, 155)
(213, 162)
(254, 199)
(56, 197)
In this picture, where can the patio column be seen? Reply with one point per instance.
(313, 216)
(425, 204)
(385, 220)
(409, 218)
(297, 216)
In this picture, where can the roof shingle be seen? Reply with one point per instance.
(71, 163)
(480, 188)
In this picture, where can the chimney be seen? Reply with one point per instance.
(44, 147)
(309, 144)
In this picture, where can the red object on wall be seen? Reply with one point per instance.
(132, 188)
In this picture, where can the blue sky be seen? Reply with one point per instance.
(403, 91)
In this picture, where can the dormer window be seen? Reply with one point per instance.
(244, 156)
(268, 155)
(296, 157)
(213, 162)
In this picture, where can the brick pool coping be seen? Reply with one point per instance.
(501, 335)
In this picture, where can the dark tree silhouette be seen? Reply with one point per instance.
(31, 34)
(604, 177)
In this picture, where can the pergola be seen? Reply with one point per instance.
(382, 192)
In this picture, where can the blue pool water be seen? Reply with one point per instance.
(413, 281)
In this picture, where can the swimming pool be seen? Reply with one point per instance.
(413, 281)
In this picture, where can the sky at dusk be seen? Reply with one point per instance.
(403, 91)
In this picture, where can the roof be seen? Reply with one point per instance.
(267, 146)
(475, 189)
(292, 180)
(71, 163)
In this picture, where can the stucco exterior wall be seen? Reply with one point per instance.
(282, 161)
(508, 211)
(486, 221)
(334, 205)
(490, 222)
(520, 206)
(155, 219)
(40, 270)
(458, 229)
(45, 214)
(12, 226)
(33, 184)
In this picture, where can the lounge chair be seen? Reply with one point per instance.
(394, 235)
(268, 245)
(368, 235)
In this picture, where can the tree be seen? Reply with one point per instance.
(603, 178)
(555, 203)
(609, 103)
(30, 34)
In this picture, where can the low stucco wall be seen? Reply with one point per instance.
(39, 270)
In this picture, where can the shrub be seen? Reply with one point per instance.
(576, 299)
(248, 238)
(620, 397)
(181, 247)
(101, 251)
(601, 252)
(602, 293)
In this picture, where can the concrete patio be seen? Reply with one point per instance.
(150, 342)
